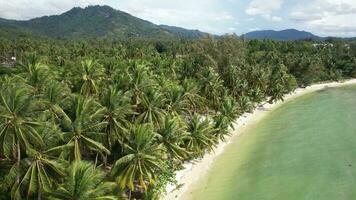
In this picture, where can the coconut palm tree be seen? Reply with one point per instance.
(279, 84)
(191, 90)
(141, 161)
(84, 182)
(138, 80)
(171, 135)
(228, 113)
(33, 71)
(151, 107)
(90, 73)
(201, 135)
(117, 111)
(38, 174)
(177, 102)
(17, 123)
(54, 96)
(211, 86)
(82, 126)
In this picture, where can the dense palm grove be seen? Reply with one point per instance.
(114, 119)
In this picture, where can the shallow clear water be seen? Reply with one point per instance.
(305, 149)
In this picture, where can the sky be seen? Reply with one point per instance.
(321, 17)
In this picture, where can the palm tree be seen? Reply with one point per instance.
(151, 107)
(91, 73)
(177, 101)
(38, 174)
(84, 182)
(140, 80)
(117, 111)
(52, 100)
(201, 136)
(228, 113)
(279, 84)
(33, 71)
(191, 91)
(82, 125)
(211, 86)
(141, 161)
(17, 124)
(30, 63)
(229, 110)
(172, 135)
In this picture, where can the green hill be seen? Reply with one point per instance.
(289, 34)
(93, 22)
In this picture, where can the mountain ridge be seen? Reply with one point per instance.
(287, 34)
(106, 22)
(95, 22)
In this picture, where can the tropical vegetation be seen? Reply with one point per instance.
(111, 119)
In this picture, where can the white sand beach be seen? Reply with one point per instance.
(194, 170)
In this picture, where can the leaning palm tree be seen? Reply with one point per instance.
(82, 125)
(141, 161)
(84, 182)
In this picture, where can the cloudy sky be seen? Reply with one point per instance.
(322, 17)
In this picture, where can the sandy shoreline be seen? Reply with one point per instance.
(194, 170)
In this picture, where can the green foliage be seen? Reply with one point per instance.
(84, 181)
(122, 116)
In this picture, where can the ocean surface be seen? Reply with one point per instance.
(302, 150)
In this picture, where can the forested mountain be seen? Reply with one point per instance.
(93, 22)
(289, 34)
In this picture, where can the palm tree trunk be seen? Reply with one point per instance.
(18, 161)
(129, 194)
(105, 159)
(96, 160)
(39, 194)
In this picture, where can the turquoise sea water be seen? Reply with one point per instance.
(305, 149)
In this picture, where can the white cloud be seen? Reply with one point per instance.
(264, 8)
(276, 19)
(254, 29)
(206, 15)
(328, 17)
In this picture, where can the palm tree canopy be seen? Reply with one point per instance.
(141, 161)
(84, 182)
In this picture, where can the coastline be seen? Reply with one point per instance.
(197, 168)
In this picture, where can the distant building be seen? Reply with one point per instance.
(347, 46)
(9, 62)
(323, 45)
